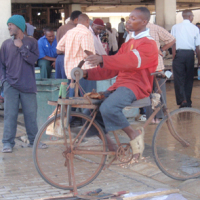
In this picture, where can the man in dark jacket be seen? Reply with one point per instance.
(18, 56)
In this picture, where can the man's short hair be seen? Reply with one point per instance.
(75, 14)
(48, 29)
(145, 12)
(197, 24)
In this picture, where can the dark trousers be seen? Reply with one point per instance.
(12, 97)
(111, 52)
(183, 69)
(60, 71)
(121, 40)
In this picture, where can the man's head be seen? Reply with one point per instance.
(97, 26)
(198, 25)
(16, 25)
(138, 20)
(187, 14)
(49, 34)
(84, 20)
(74, 16)
(122, 20)
(108, 25)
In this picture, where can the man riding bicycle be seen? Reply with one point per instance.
(133, 65)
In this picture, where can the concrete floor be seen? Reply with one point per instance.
(20, 180)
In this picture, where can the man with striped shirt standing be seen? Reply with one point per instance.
(77, 44)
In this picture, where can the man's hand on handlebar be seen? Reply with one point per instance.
(94, 60)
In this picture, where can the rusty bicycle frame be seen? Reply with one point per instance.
(85, 102)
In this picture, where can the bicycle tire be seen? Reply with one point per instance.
(50, 167)
(173, 159)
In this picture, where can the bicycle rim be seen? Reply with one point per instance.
(178, 161)
(52, 164)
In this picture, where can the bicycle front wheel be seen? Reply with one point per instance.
(172, 156)
(53, 164)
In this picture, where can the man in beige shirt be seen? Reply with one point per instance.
(159, 34)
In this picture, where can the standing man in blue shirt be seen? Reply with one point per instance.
(187, 42)
(47, 53)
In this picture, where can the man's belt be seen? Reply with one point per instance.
(179, 50)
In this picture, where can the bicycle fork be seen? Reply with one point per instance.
(173, 130)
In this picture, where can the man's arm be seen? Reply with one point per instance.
(139, 58)
(173, 51)
(89, 53)
(49, 58)
(166, 37)
(167, 46)
(99, 73)
(58, 37)
(61, 45)
(29, 55)
(198, 54)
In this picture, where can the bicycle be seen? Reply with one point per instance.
(75, 158)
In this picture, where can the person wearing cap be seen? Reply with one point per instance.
(96, 28)
(17, 71)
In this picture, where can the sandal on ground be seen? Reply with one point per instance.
(7, 150)
(137, 144)
(142, 118)
(40, 146)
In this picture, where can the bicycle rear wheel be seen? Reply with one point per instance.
(174, 159)
(53, 163)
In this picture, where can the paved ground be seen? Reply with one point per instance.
(20, 180)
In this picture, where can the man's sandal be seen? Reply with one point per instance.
(137, 144)
(7, 150)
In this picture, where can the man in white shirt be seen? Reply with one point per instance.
(187, 41)
(121, 30)
(112, 39)
(96, 28)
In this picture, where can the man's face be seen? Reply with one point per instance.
(108, 25)
(13, 29)
(50, 36)
(191, 17)
(135, 21)
(97, 29)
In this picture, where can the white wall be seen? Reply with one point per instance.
(5, 10)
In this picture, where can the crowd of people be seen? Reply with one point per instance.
(132, 53)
